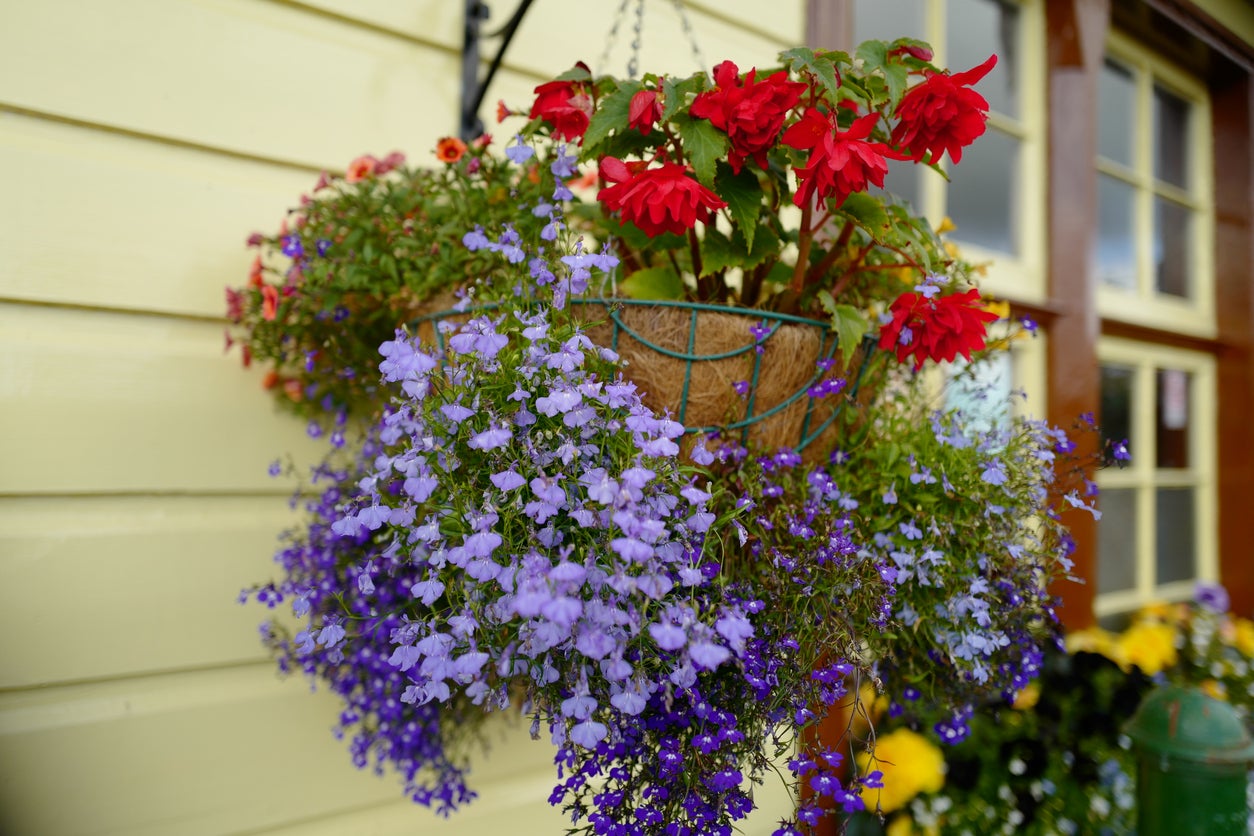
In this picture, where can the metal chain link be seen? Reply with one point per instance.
(633, 60)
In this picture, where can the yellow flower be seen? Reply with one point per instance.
(946, 225)
(911, 765)
(1244, 639)
(904, 826)
(1027, 698)
(1096, 640)
(1214, 689)
(1151, 647)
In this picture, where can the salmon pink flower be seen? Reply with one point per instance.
(254, 273)
(391, 162)
(935, 329)
(566, 106)
(269, 302)
(656, 200)
(840, 162)
(361, 168)
(750, 112)
(450, 149)
(942, 114)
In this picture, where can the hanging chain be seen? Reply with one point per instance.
(690, 32)
(637, 39)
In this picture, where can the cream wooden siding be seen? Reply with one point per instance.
(140, 142)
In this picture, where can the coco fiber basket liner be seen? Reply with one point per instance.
(705, 366)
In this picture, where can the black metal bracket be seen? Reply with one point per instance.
(474, 90)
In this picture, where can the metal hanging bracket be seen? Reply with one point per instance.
(474, 90)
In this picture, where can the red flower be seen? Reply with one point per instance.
(936, 329)
(840, 162)
(269, 302)
(361, 168)
(450, 149)
(942, 114)
(566, 106)
(644, 111)
(750, 112)
(656, 200)
(391, 162)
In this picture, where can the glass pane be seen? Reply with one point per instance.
(1171, 138)
(1116, 541)
(1173, 229)
(983, 195)
(1117, 397)
(1173, 526)
(903, 181)
(1171, 434)
(888, 20)
(1116, 103)
(977, 29)
(1114, 256)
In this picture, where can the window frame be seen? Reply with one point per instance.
(1194, 316)
(1144, 477)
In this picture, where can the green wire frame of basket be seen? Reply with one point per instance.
(615, 308)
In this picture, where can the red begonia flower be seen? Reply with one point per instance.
(750, 112)
(942, 114)
(644, 111)
(936, 329)
(840, 162)
(656, 200)
(566, 106)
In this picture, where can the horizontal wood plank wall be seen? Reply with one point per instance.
(142, 140)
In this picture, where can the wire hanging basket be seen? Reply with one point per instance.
(768, 379)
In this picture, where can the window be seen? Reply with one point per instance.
(1151, 253)
(995, 200)
(1156, 538)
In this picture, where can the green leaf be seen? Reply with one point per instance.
(897, 77)
(765, 245)
(873, 54)
(575, 73)
(849, 323)
(653, 283)
(675, 94)
(704, 146)
(743, 194)
(611, 116)
(717, 252)
(821, 65)
(867, 211)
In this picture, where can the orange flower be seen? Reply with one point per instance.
(502, 112)
(450, 149)
(292, 387)
(270, 380)
(254, 273)
(361, 168)
(269, 302)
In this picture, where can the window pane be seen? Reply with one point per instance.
(903, 181)
(1173, 228)
(977, 29)
(1171, 138)
(1171, 436)
(983, 195)
(1116, 100)
(888, 20)
(1173, 524)
(1114, 256)
(1116, 541)
(1117, 397)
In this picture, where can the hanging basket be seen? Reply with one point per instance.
(704, 366)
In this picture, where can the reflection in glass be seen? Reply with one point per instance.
(1117, 397)
(1171, 138)
(888, 20)
(1114, 248)
(1171, 434)
(1116, 98)
(1116, 541)
(977, 29)
(1173, 226)
(983, 202)
(1174, 539)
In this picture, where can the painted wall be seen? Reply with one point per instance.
(140, 142)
